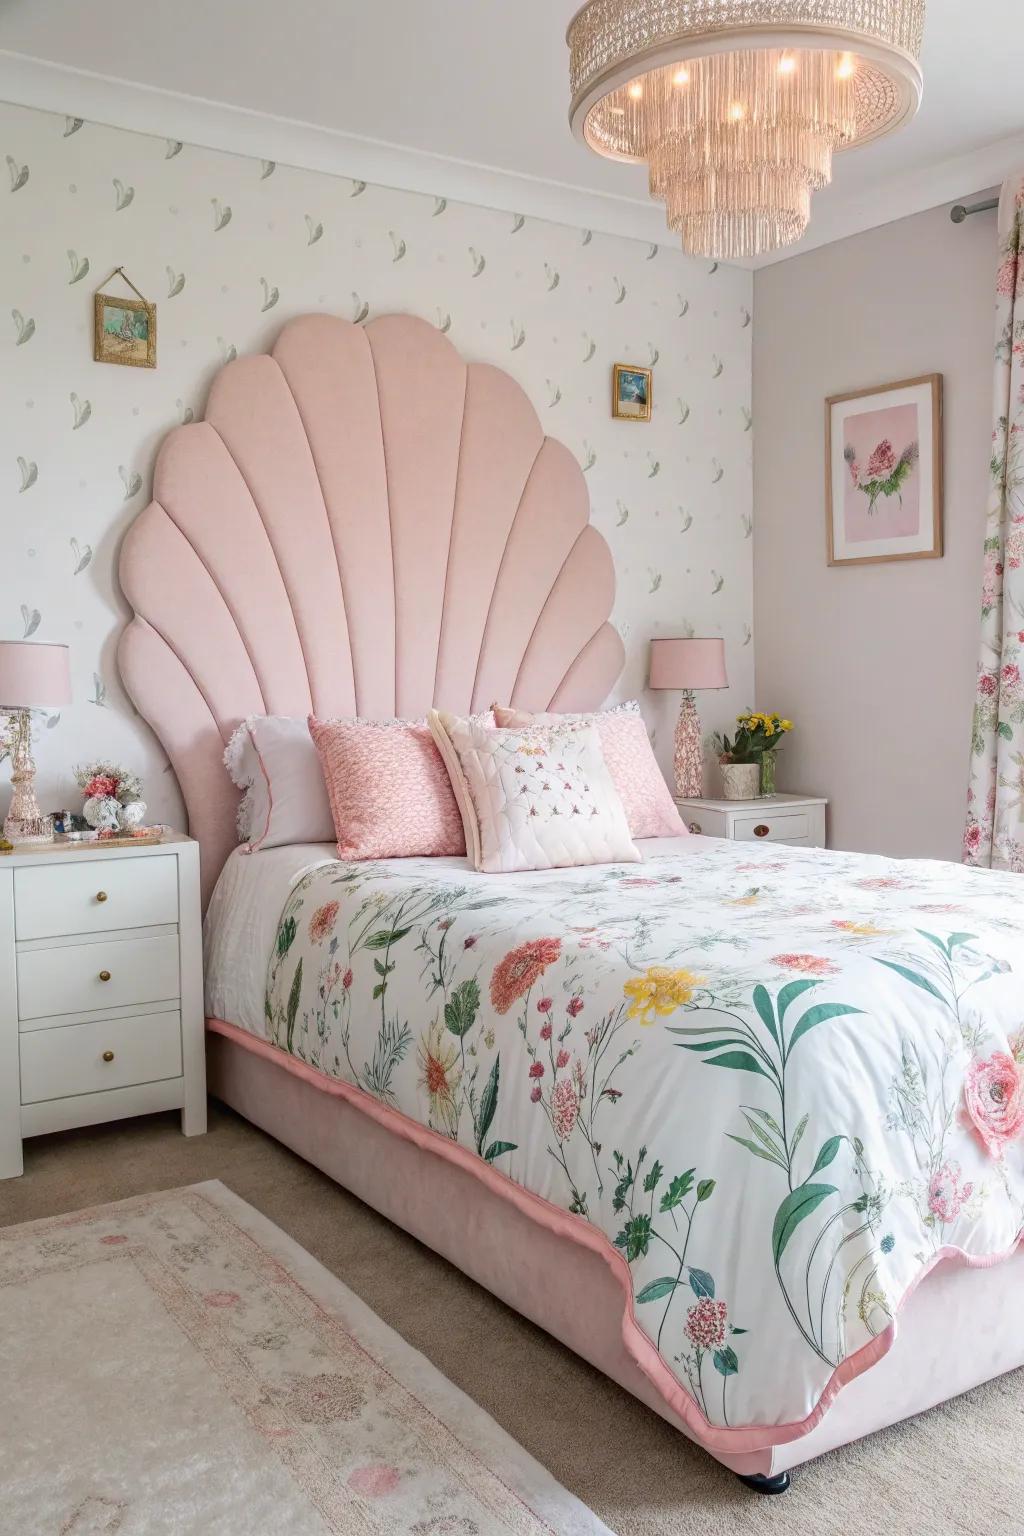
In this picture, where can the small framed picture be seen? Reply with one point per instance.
(631, 393)
(125, 331)
(883, 457)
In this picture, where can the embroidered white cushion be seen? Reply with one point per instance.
(539, 797)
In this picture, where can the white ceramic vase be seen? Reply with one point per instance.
(741, 781)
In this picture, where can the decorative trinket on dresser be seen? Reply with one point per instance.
(113, 797)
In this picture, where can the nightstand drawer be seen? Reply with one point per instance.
(768, 828)
(110, 973)
(108, 1053)
(95, 895)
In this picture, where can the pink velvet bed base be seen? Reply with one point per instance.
(960, 1328)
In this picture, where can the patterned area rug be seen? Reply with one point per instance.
(176, 1363)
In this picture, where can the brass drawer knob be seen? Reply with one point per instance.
(104, 975)
(108, 1055)
(761, 830)
(101, 895)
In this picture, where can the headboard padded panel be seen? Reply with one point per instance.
(363, 524)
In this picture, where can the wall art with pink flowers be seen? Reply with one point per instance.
(883, 452)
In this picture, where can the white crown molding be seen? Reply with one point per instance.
(898, 198)
(50, 87)
(32, 82)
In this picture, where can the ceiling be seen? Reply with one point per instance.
(465, 86)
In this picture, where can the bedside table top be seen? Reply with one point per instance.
(80, 853)
(762, 803)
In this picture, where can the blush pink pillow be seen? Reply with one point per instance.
(646, 798)
(389, 790)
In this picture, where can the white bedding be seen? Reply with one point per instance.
(812, 1063)
(241, 922)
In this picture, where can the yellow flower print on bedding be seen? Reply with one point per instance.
(659, 992)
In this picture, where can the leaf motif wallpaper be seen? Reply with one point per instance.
(229, 248)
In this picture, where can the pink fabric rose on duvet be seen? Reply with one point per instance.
(994, 1101)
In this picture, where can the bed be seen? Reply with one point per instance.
(559, 1080)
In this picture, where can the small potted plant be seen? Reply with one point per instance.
(764, 734)
(740, 764)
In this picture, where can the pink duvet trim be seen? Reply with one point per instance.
(735, 1439)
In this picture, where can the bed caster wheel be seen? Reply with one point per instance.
(761, 1484)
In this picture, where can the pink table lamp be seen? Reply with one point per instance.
(689, 665)
(32, 676)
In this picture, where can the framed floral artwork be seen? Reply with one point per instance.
(124, 331)
(883, 476)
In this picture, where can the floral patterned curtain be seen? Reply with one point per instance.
(994, 835)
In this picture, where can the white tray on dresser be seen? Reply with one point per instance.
(101, 988)
(795, 819)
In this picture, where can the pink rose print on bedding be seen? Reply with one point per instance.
(994, 1101)
(946, 1194)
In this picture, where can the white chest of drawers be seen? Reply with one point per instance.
(795, 819)
(101, 989)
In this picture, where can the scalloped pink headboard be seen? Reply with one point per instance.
(363, 524)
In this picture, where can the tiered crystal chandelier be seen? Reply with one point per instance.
(738, 105)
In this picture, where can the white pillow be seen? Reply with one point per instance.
(273, 759)
(538, 797)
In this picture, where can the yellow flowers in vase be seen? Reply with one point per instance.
(758, 737)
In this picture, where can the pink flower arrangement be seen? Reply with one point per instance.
(706, 1322)
(946, 1194)
(882, 462)
(994, 1101)
(101, 786)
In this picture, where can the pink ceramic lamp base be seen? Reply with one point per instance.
(689, 751)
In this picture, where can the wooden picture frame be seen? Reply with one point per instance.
(632, 390)
(124, 331)
(883, 473)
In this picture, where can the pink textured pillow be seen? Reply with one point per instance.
(389, 790)
(646, 798)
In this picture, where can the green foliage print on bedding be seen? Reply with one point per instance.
(749, 1069)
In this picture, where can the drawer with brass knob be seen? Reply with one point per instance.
(107, 973)
(106, 1053)
(91, 897)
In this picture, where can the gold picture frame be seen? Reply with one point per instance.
(632, 391)
(124, 331)
(883, 473)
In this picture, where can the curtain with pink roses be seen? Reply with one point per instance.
(994, 834)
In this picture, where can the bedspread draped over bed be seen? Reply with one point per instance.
(781, 1083)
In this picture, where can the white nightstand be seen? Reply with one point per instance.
(101, 988)
(795, 819)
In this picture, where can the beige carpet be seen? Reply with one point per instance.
(957, 1471)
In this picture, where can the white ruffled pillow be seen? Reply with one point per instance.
(536, 797)
(273, 759)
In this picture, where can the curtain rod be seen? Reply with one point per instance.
(963, 211)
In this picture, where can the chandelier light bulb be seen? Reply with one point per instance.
(804, 78)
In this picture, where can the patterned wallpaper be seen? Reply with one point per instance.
(229, 248)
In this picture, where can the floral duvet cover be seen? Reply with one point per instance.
(781, 1082)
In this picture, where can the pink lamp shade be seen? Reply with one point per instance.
(678, 663)
(33, 676)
